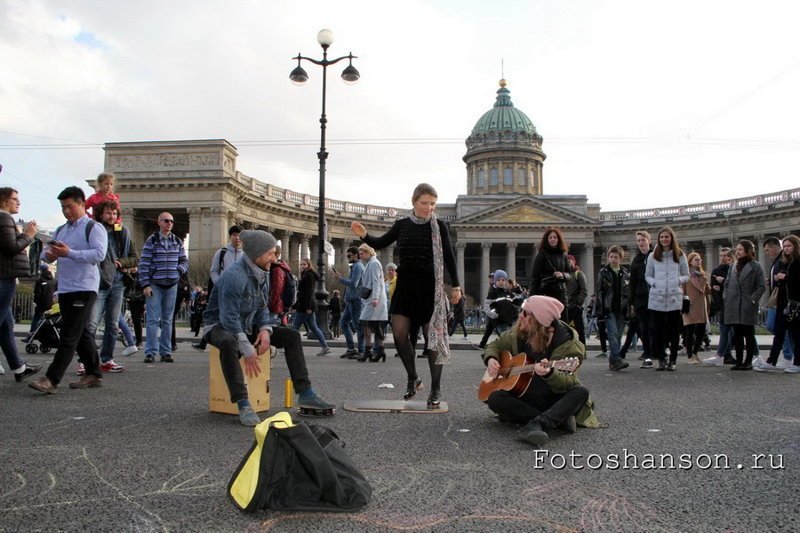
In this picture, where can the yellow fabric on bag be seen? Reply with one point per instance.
(244, 487)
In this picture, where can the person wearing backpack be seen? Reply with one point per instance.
(282, 289)
(162, 263)
(225, 257)
(78, 246)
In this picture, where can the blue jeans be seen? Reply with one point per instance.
(725, 338)
(615, 323)
(310, 320)
(126, 331)
(107, 307)
(349, 323)
(788, 347)
(160, 307)
(8, 287)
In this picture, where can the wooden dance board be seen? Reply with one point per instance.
(393, 406)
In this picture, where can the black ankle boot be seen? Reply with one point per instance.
(434, 398)
(414, 384)
(377, 355)
(366, 355)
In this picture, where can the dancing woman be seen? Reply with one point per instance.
(424, 250)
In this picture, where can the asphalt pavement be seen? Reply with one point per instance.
(143, 453)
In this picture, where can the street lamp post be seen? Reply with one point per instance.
(299, 77)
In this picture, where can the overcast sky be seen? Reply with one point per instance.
(641, 104)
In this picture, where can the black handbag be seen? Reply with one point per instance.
(297, 467)
(364, 292)
(686, 306)
(792, 312)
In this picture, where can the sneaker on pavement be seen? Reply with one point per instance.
(713, 361)
(43, 384)
(149, 359)
(766, 367)
(167, 359)
(29, 371)
(313, 401)
(248, 417)
(2, 370)
(348, 353)
(130, 350)
(758, 361)
(81, 369)
(647, 363)
(111, 366)
(793, 369)
(88, 381)
(199, 346)
(324, 351)
(602, 354)
(784, 363)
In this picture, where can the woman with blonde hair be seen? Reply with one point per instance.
(425, 252)
(553, 399)
(373, 306)
(697, 290)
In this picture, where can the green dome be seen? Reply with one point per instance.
(504, 117)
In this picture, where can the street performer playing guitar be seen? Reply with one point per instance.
(553, 398)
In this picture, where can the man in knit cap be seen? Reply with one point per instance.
(237, 321)
(553, 399)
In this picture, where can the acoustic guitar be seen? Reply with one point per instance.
(514, 374)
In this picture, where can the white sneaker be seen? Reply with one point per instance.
(784, 363)
(130, 350)
(794, 369)
(714, 361)
(758, 361)
(766, 367)
(2, 370)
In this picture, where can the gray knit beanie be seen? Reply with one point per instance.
(256, 242)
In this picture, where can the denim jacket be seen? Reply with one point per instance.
(239, 301)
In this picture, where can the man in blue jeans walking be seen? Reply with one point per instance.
(352, 305)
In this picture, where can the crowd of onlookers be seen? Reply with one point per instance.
(665, 298)
(660, 293)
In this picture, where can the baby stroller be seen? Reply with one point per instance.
(47, 333)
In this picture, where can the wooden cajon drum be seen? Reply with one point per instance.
(219, 399)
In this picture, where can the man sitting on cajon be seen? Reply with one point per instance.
(237, 323)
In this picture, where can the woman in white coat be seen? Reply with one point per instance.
(666, 272)
(374, 311)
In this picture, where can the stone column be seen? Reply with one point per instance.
(486, 248)
(587, 265)
(511, 260)
(294, 254)
(389, 255)
(341, 257)
(284, 237)
(195, 231)
(711, 256)
(460, 247)
(766, 262)
(305, 249)
(135, 227)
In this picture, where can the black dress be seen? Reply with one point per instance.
(414, 291)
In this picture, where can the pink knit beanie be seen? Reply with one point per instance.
(543, 308)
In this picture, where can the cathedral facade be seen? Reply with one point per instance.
(497, 224)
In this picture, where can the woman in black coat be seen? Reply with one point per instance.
(306, 305)
(551, 269)
(13, 263)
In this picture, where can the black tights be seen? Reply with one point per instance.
(401, 328)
